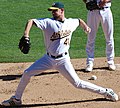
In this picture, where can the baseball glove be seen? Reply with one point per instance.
(92, 5)
(24, 44)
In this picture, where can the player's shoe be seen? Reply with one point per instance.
(111, 95)
(112, 67)
(89, 68)
(11, 102)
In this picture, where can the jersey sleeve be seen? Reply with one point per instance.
(74, 24)
(40, 23)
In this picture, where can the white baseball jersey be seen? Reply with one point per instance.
(57, 34)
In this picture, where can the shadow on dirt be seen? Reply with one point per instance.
(14, 77)
(56, 103)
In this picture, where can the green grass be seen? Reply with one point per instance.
(15, 13)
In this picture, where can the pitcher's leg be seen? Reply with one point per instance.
(36, 68)
(67, 70)
(22, 85)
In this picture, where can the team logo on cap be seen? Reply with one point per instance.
(53, 4)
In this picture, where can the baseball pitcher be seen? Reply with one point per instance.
(57, 35)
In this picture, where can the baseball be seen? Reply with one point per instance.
(93, 77)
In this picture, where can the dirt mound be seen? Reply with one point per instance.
(52, 90)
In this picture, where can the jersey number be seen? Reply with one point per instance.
(67, 41)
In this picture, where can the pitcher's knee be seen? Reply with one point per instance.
(27, 73)
(77, 84)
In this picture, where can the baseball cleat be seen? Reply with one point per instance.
(112, 67)
(111, 95)
(89, 68)
(11, 102)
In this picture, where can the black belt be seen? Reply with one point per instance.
(99, 8)
(102, 8)
(58, 56)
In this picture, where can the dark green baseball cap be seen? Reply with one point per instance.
(56, 6)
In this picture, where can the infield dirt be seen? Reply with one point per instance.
(52, 90)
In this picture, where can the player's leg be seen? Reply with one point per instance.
(36, 68)
(107, 24)
(93, 21)
(66, 69)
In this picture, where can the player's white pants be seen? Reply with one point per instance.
(64, 66)
(104, 17)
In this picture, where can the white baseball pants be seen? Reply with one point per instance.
(93, 21)
(64, 66)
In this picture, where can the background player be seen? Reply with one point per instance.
(100, 12)
(57, 33)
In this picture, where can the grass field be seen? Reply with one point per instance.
(15, 13)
